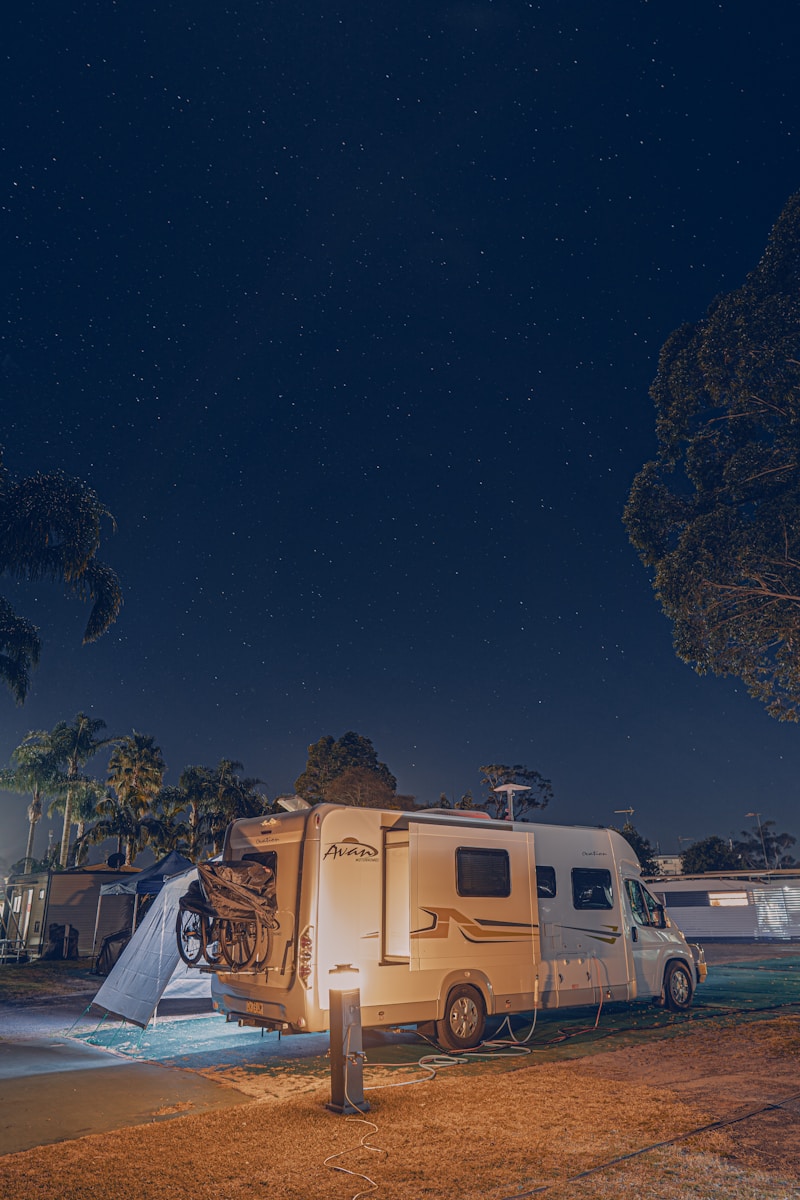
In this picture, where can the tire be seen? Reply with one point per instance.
(464, 1020)
(189, 932)
(678, 987)
(239, 942)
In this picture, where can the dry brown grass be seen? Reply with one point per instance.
(460, 1137)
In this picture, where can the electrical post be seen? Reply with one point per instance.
(347, 1054)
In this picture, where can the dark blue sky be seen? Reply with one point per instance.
(350, 318)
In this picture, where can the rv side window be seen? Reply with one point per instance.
(546, 882)
(591, 888)
(482, 872)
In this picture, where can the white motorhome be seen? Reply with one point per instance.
(449, 919)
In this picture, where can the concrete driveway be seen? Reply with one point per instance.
(55, 1088)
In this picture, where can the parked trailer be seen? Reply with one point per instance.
(447, 920)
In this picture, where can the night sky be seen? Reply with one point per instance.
(349, 315)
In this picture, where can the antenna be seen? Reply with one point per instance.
(509, 789)
(629, 811)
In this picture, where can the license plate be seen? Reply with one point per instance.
(254, 1006)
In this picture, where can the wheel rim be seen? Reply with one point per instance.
(679, 987)
(464, 1017)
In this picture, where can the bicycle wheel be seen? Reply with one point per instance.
(211, 946)
(189, 931)
(239, 942)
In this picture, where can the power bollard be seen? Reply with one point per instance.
(347, 1053)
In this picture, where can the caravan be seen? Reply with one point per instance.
(447, 919)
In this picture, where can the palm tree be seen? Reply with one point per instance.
(50, 529)
(34, 770)
(132, 828)
(136, 770)
(213, 797)
(72, 745)
(136, 776)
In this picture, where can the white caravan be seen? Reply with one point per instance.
(449, 919)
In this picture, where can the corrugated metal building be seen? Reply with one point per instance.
(764, 908)
(36, 901)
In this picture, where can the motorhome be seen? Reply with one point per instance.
(448, 920)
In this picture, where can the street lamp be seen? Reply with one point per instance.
(761, 835)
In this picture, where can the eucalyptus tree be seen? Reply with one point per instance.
(33, 770)
(716, 516)
(50, 527)
(72, 745)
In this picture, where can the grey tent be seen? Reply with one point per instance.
(150, 966)
(144, 883)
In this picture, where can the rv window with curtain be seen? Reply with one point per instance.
(591, 888)
(482, 872)
(545, 882)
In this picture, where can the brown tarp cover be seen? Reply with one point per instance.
(232, 891)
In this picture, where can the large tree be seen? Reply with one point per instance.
(50, 529)
(716, 516)
(763, 846)
(710, 854)
(329, 759)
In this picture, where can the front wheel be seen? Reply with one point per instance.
(677, 987)
(464, 1019)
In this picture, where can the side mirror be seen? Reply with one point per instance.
(660, 917)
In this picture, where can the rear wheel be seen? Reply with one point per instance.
(677, 987)
(464, 1019)
(189, 930)
(239, 942)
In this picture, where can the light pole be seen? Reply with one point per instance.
(761, 835)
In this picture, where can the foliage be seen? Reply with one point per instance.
(50, 529)
(538, 795)
(72, 745)
(35, 770)
(135, 777)
(641, 847)
(352, 756)
(763, 846)
(710, 854)
(213, 797)
(360, 787)
(716, 516)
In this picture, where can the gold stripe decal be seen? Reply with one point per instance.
(472, 930)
